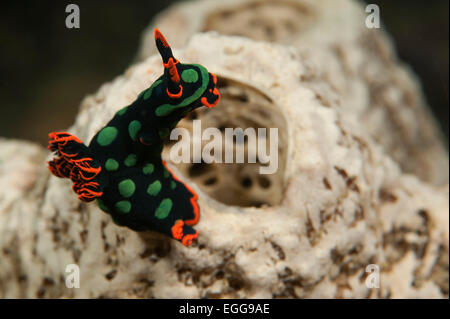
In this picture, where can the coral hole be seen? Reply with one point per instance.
(239, 184)
(274, 21)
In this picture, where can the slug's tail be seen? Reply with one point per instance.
(73, 161)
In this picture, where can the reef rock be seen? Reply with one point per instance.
(339, 206)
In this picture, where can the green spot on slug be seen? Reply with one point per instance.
(166, 109)
(122, 111)
(130, 160)
(189, 76)
(148, 169)
(149, 91)
(173, 185)
(107, 135)
(164, 208)
(133, 129)
(123, 206)
(111, 165)
(127, 188)
(154, 188)
(102, 205)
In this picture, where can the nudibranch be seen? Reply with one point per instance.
(122, 168)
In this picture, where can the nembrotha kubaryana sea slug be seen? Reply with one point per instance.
(122, 167)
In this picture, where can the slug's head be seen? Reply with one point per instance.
(187, 86)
